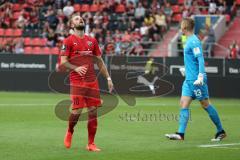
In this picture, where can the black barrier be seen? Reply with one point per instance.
(130, 75)
(24, 63)
(213, 67)
(232, 68)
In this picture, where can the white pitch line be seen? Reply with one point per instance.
(140, 104)
(225, 147)
(218, 145)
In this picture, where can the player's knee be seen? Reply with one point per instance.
(204, 103)
(183, 104)
(92, 111)
(76, 111)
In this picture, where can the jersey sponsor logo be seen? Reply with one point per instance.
(196, 51)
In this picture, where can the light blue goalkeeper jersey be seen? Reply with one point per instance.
(193, 58)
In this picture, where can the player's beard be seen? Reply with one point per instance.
(80, 27)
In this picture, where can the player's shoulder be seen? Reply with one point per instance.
(90, 38)
(68, 39)
(195, 41)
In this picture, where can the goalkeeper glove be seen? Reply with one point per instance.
(182, 70)
(199, 81)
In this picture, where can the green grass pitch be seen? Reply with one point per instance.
(29, 130)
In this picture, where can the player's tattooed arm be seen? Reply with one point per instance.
(103, 70)
(79, 69)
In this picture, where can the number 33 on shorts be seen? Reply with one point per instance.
(197, 92)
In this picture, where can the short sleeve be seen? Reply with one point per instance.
(65, 48)
(197, 49)
(96, 50)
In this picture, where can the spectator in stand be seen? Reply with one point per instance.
(110, 48)
(118, 45)
(52, 38)
(52, 19)
(195, 8)
(132, 25)
(144, 32)
(123, 26)
(126, 37)
(210, 39)
(160, 20)
(149, 19)
(230, 4)
(97, 18)
(186, 12)
(234, 50)
(154, 33)
(21, 21)
(139, 13)
(168, 12)
(19, 46)
(212, 8)
(136, 34)
(60, 27)
(130, 9)
(221, 5)
(137, 48)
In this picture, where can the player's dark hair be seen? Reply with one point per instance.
(188, 23)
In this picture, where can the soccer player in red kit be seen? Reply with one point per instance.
(79, 52)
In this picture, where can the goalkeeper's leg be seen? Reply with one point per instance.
(183, 119)
(213, 114)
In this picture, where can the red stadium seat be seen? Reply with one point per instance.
(175, 9)
(16, 7)
(102, 6)
(2, 31)
(55, 50)
(47, 50)
(39, 42)
(17, 33)
(228, 18)
(181, 2)
(238, 2)
(177, 18)
(27, 41)
(9, 32)
(85, 8)
(37, 50)
(120, 8)
(77, 7)
(1, 41)
(16, 15)
(28, 50)
(94, 8)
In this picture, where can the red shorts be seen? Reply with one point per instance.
(85, 94)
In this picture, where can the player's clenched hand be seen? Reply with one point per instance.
(81, 70)
(199, 81)
(110, 84)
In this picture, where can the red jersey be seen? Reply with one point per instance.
(81, 52)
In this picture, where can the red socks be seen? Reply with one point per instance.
(73, 119)
(92, 126)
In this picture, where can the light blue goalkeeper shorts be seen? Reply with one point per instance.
(196, 92)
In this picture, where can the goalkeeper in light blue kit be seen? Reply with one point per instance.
(195, 84)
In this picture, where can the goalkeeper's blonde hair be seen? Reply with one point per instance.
(188, 24)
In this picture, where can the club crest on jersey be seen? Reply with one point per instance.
(89, 43)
